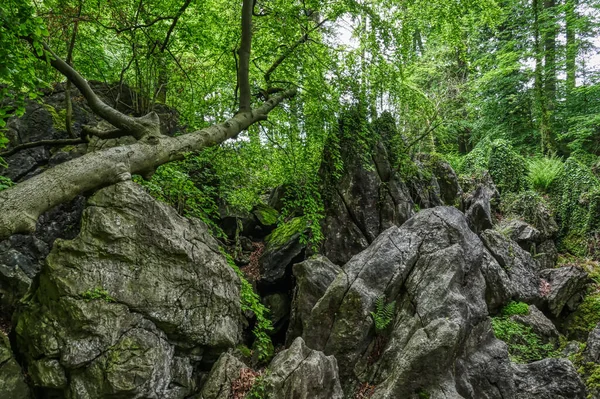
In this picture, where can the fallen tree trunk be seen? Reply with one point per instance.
(22, 204)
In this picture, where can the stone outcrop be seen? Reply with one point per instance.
(566, 288)
(130, 304)
(548, 379)
(302, 373)
(518, 277)
(431, 268)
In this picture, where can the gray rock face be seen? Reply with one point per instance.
(566, 288)
(279, 309)
(431, 267)
(548, 379)
(539, 323)
(302, 373)
(313, 276)
(592, 348)
(478, 205)
(523, 234)
(546, 255)
(363, 203)
(223, 373)
(276, 262)
(519, 270)
(12, 381)
(113, 304)
(22, 256)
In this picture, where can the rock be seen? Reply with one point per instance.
(548, 379)
(447, 180)
(21, 256)
(546, 255)
(362, 203)
(566, 288)
(520, 268)
(113, 304)
(302, 373)
(499, 289)
(522, 233)
(592, 348)
(313, 276)
(539, 324)
(283, 249)
(431, 268)
(478, 204)
(266, 215)
(12, 380)
(571, 348)
(223, 373)
(279, 310)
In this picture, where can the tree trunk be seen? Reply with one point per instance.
(22, 204)
(572, 50)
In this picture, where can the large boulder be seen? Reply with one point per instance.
(313, 276)
(219, 382)
(566, 286)
(113, 306)
(302, 373)
(592, 348)
(548, 379)
(520, 277)
(12, 380)
(431, 268)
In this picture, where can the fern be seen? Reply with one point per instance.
(384, 313)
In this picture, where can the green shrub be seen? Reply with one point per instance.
(543, 172)
(524, 345)
(576, 196)
(515, 308)
(172, 183)
(529, 206)
(250, 302)
(507, 168)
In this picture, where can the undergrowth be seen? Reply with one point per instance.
(250, 302)
(543, 172)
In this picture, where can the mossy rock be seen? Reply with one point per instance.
(12, 382)
(286, 231)
(266, 215)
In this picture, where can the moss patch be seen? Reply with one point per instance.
(266, 215)
(524, 345)
(58, 118)
(286, 231)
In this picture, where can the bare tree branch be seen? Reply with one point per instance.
(290, 50)
(172, 27)
(34, 144)
(22, 204)
(133, 126)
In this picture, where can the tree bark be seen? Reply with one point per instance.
(572, 50)
(244, 56)
(22, 204)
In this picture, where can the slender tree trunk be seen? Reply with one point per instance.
(572, 50)
(69, 110)
(549, 33)
(543, 123)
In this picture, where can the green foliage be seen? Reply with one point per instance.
(524, 345)
(515, 308)
(97, 293)
(384, 313)
(576, 195)
(529, 206)
(259, 388)
(250, 302)
(587, 315)
(286, 231)
(5, 183)
(507, 168)
(543, 172)
(191, 196)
